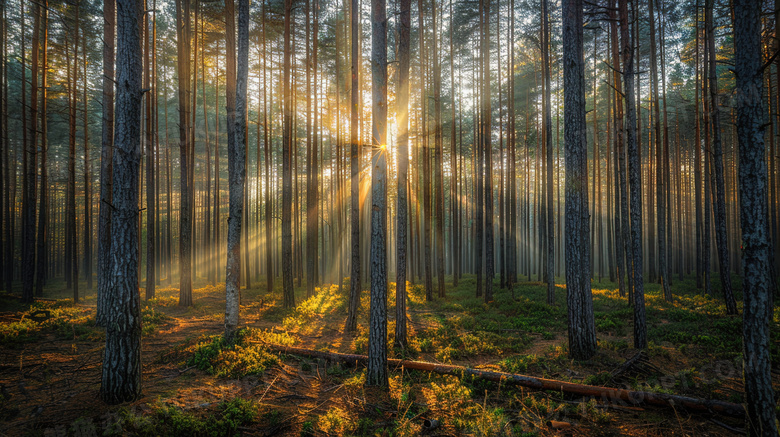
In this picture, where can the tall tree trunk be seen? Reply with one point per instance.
(312, 211)
(757, 283)
(267, 145)
(402, 117)
(660, 191)
(151, 174)
(185, 144)
(438, 158)
(376, 371)
(550, 222)
(43, 213)
(287, 155)
(488, 147)
(582, 330)
(354, 157)
(121, 381)
(236, 92)
(640, 326)
(720, 186)
(29, 160)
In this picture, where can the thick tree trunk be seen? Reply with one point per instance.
(376, 372)
(121, 381)
(582, 330)
(355, 284)
(402, 118)
(236, 92)
(757, 283)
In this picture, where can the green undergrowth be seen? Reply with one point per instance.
(169, 420)
(246, 356)
(61, 318)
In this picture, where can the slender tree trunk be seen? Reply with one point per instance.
(720, 186)
(29, 160)
(43, 213)
(354, 282)
(550, 222)
(121, 381)
(185, 209)
(488, 147)
(151, 174)
(438, 158)
(402, 118)
(287, 155)
(640, 326)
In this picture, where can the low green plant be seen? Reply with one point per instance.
(215, 356)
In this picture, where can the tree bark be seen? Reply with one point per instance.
(185, 138)
(720, 186)
(582, 330)
(376, 372)
(121, 380)
(757, 283)
(550, 218)
(402, 118)
(640, 326)
(236, 118)
(287, 152)
(43, 214)
(354, 157)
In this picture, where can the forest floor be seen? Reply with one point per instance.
(50, 365)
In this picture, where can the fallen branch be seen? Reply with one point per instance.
(606, 394)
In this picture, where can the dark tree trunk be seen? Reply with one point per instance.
(121, 380)
(550, 218)
(151, 174)
(488, 148)
(30, 160)
(640, 326)
(402, 118)
(43, 213)
(720, 186)
(660, 190)
(438, 159)
(287, 152)
(354, 157)
(312, 194)
(185, 138)
(757, 283)
(582, 330)
(376, 371)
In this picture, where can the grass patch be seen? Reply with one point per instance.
(244, 357)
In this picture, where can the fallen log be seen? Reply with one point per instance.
(605, 394)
